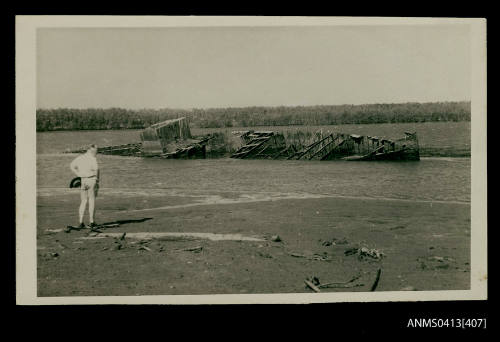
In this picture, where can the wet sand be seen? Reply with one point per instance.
(425, 246)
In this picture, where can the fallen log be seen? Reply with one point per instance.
(340, 283)
(312, 286)
(193, 249)
(377, 278)
(342, 286)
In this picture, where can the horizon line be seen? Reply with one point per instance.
(264, 106)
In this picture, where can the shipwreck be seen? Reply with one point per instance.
(166, 139)
(173, 139)
(332, 146)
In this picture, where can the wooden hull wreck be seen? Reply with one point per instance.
(333, 146)
(173, 139)
(167, 139)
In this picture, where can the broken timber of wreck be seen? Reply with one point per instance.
(173, 139)
(166, 139)
(333, 146)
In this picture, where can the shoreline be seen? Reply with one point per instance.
(255, 127)
(425, 247)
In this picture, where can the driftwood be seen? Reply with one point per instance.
(312, 257)
(377, 278)
(296, 255)
(312, 286)
(341, 284)
(193, 249)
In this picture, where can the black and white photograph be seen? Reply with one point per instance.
(250, 159)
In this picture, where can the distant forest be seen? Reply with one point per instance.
(119, 118)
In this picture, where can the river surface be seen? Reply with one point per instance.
(436, 139)
(431, 179)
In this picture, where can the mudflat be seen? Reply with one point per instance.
(272, 247)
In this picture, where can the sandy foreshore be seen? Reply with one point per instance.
(425, 246)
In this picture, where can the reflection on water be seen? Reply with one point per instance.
(431, 179)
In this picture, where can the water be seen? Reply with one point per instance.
(435, 138)
(431, 179)
(227, 180)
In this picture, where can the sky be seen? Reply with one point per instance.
(208, 67)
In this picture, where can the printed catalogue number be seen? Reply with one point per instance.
(463, 323)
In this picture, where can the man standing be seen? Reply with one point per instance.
(85, 166)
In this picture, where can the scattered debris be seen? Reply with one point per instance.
(196, 249)
(118, 247)
(320, 257)
(276, 238)
(351, 251)
(312, 286)
(177, 236)
(68, 229)
(92, 235)
(435, 262)
(265, 255)
(297, 255)
(377, 278)
(342, 284)
(54, 255)
(335, 242)
(144, 248)
(365, 252)
(440, 259)
(123, 236)
(408, 288)
(436, 258)
(62, 246)
(314, 281)
(315, 256)
(373, 253)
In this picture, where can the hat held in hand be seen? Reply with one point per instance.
(75, 182)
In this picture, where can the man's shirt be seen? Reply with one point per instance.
(86, 165)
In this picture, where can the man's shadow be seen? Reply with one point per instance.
(120, 222)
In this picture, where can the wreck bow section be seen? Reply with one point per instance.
(166, 139)
(163, 137)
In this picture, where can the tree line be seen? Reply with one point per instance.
(120, 118)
